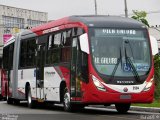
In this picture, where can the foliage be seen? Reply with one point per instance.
(155, 103)
(157, 76)
(140, 16)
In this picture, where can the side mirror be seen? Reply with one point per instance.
(154, 45)
(84, 45)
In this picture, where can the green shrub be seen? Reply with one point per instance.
(157, 76)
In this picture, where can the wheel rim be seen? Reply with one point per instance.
(67, 99)
(29, 98)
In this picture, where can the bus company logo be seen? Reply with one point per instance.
(50, 73)
(125, 82)
(50, 30)
(125, 89)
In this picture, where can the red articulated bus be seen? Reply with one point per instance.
(80, 61)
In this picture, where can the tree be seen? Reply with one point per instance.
(140, 16)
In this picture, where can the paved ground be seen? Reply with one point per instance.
(22, 112)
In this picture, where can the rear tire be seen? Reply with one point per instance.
(30, 101)
(66, 101)
(9, 100)
(68, 106)
(122, 108)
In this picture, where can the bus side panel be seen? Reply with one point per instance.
(24, 76)
(52, 80)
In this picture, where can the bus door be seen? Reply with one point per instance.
(40, 72)
(75, 90)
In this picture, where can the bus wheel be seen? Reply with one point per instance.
(9, 100)
(66, 102)
(122, 108)
(31, 103)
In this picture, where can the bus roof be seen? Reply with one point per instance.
(91, 21)
(107, 21)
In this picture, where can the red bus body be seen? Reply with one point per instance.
(95, 88)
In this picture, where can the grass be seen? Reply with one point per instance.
(156, 104)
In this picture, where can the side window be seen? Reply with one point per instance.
(23, 53)
(57, 40)
(28, 53)
(50, 42)
(31, 52)
(77, 31)
(11, 51)
(53, 51)
(5, 57)
(66, 46)
(8, 56)
(59, 45)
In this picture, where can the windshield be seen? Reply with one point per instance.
(120, 52)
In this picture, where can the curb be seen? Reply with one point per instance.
(145, 109)
(132, 108)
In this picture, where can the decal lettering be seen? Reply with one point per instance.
(142, 67)
(135, 88)
(104, 60)
(138, 67)
(119, 31)
(50, 30)
(50, 73)
(125, 82)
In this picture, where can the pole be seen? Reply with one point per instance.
(95, 3)
(126, 10)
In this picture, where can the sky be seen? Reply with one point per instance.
(61, 8)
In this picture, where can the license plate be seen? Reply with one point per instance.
(125, 97)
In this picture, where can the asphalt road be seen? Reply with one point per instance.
(22, 112)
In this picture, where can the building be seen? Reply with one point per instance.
(13, 20)
(155, 32)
